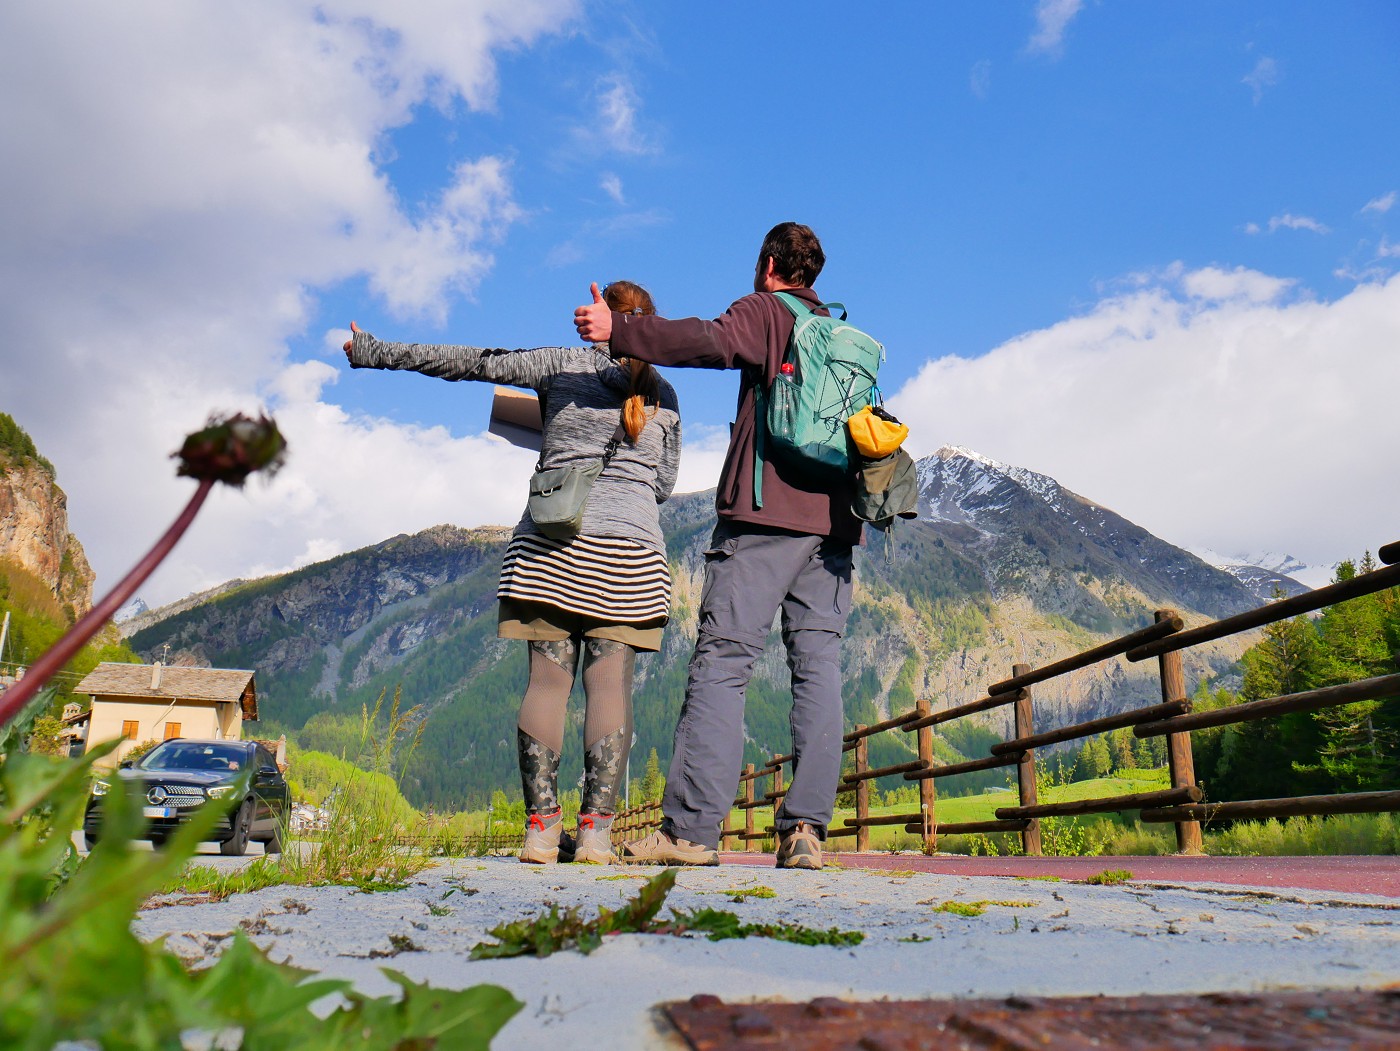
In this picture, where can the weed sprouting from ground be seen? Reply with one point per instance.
(1110, 877)
(741, 894)
(557, 929)
(977, 908)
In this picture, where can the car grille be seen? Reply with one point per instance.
(174, 796)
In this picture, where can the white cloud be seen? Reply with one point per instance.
(1387, 249)
(702, 456)
(1052, 18)
(618, 110)
(1288, 221)
(1229, 421)
(1297, 222)
(980, 79)
(190, 176)
(1382, 204)
(1265, 74)
(612, 186)
(1216, 285)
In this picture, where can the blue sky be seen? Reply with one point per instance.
(1149, 249)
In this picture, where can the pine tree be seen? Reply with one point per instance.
(1356, 752)
(1120, 749)
(1277, 756)
(653, 781)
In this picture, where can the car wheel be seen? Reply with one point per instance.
(157, 840)
(89, 841)
(237, 844)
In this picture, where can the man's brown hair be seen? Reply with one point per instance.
(796, 253)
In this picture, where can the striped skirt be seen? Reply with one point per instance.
(614, 580)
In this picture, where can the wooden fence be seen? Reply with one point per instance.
(1183, 804)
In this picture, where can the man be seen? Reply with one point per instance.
(792, 553)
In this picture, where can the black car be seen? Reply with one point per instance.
(178, 776)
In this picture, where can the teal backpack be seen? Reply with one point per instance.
(829, 372)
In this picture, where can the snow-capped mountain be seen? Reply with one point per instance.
(134, 608)
(1265, 572)
(1034, 535)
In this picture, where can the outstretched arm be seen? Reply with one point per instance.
(518, 368)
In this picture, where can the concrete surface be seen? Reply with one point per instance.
(1061, 938)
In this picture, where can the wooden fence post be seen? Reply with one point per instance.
(777, 797)
(862, 794)
(1025, 769)
(749, 842)
(928, 787)
(1181, 761)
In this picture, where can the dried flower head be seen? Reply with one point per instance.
(230, 449)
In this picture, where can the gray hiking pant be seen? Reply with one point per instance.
(750, 574)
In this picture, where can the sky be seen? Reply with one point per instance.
(1149, 249)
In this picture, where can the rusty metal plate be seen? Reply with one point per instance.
(1310, 1021)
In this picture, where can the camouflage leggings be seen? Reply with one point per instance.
(607, 725)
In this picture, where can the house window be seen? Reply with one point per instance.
(130, 728)
(172, 730)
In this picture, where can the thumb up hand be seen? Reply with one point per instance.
(594, 320)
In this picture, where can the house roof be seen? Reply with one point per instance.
(158, 683)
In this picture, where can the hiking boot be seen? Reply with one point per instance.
(660, 848)
(799, 848)
(593, 846)
(542, 838)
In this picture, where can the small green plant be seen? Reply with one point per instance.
(1110, 877)
(741, 894)
(915, 938)
(556, 929)
(723, 925)
(962, 908)
(977, 908)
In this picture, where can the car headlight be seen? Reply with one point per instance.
(219, 791)
(101, 788)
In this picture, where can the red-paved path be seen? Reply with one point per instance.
(1345, 875)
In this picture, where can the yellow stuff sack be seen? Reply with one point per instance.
(876, 435)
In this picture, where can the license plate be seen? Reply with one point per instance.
(158, 811)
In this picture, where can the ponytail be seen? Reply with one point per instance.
(644, 387)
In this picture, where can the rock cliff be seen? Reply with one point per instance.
(34, 522)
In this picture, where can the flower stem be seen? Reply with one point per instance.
(13, 700)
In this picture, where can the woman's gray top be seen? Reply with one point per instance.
(582, 391)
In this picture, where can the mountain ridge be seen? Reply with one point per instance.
(1003, 566)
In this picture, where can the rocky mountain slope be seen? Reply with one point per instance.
(34, 532)
(1002, 566)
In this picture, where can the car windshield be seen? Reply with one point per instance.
(192, 755)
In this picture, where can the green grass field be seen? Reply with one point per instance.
(981, 807)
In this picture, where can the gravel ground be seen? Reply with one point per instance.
(1047, 938)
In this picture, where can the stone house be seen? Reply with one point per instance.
(144, 702)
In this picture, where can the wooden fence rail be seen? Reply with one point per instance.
(1183, 804)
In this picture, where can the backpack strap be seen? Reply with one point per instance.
(800, 308)
(619, 432)
(760, 431)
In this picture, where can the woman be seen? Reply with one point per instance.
(593, 600)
